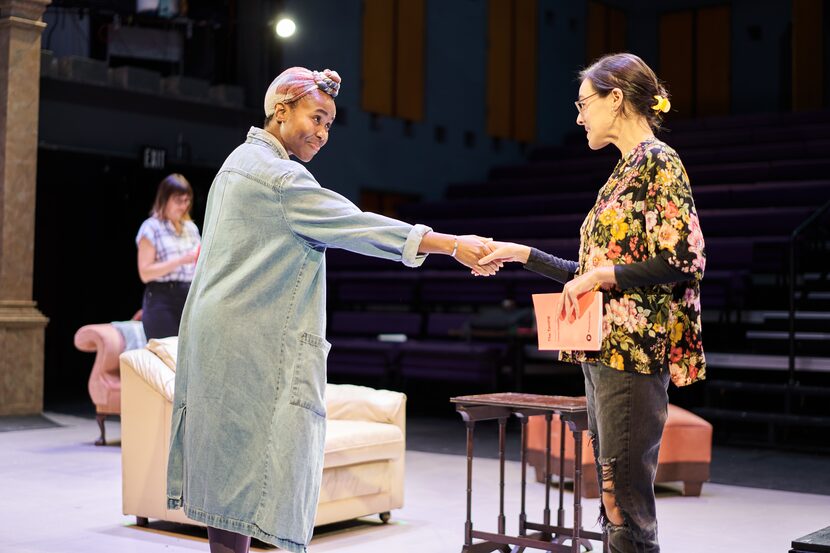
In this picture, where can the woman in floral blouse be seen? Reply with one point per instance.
(642, 245)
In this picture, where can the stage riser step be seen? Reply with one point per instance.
(817, 542)
(753, 362)
(779, 419)
(765, 388)
(768, 346)
(773, 407)
(811, 348)
(779, 335)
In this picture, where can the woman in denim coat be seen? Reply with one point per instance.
(248, 428)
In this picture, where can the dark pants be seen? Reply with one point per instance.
(162, 308)
(225, 541)
(626, 415)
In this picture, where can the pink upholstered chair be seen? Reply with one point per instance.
(105, 379)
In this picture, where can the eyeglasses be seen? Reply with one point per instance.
(180, 200)
(580, 104)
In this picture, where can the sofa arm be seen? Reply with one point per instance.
(103, 339)
(107, 343)
(152, 370)
(349, 402)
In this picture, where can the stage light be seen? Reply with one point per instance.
(285, 28)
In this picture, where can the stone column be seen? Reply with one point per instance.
(21, 323)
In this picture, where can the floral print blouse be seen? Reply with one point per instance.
(645, 211)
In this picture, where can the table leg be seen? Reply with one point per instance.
(575, 542)
(522, 513)
(560, 515)
(548, 418)
(502, 425)
(468, 525)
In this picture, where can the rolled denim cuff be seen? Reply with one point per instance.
(410, 256)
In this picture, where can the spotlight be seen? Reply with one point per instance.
(285, 28)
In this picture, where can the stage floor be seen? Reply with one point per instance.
(61, 494)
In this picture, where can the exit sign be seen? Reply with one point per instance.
(153, 158)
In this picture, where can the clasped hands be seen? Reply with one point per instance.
(598, 277)
(472, 249)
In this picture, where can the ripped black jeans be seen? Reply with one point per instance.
(626, 415)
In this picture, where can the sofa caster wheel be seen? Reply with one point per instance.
(142, 521)
(384, 517)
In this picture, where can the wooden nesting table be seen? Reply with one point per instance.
(573, 412)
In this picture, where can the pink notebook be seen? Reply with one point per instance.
(584, 334)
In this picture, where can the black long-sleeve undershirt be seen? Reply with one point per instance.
(560, 270)
(633, 275)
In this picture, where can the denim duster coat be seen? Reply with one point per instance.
(249, 410)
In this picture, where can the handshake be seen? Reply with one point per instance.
(485, 256)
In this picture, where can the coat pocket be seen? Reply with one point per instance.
(308, 381)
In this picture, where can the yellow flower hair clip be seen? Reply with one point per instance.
(662, 104)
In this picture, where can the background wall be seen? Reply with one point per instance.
(383, 154)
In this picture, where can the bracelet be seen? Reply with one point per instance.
(454, 247)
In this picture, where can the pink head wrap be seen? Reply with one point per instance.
(295, 82)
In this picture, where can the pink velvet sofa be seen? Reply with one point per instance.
(107, 342)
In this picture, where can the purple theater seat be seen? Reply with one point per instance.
(759, 221)
(364, 358)
(763, 194)
(460, 287)
(552, 202)
(356, 350)
(447, 325)
(535, 226)
(528, 283)
(799, 169)
(456, 362)
(344, 260)
(373, 287)
(373, 323)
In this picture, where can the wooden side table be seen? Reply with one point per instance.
(573, 413)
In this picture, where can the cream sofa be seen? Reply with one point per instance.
(363, 472)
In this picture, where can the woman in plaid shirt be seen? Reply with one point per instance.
(168, 243)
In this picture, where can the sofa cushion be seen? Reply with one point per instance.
(349, 402)
(351, 441)
(166, 349)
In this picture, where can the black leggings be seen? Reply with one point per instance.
(225, 541)
(162, 308)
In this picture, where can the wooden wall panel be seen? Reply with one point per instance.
(524, 63)
(713, 62)
(617, 29)
(808, 54)
(409, 66)
(378, 56)
(596, 31)
(605, 31)
(676, 59)
(499, 68)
